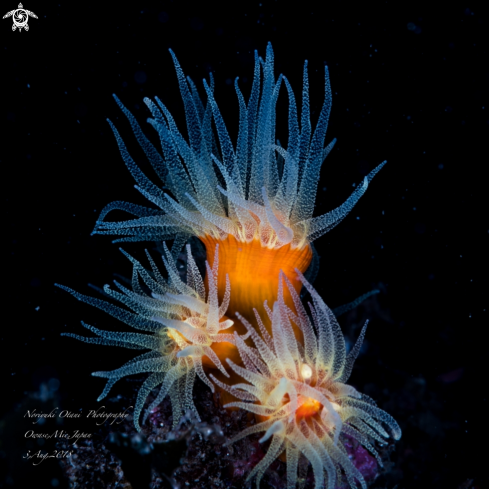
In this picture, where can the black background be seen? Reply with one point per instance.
(409, 86)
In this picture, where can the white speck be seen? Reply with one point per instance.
(306, 371)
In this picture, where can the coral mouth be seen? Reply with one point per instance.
(310, 408)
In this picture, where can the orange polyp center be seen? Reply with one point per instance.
(253, 273)
(308, 409)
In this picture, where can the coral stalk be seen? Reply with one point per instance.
(253, 272)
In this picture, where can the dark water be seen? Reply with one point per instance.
(409, 85)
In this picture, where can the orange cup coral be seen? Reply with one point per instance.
(251, 205)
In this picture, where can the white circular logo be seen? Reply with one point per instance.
(20, 16)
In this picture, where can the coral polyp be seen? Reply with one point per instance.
(185, 331)
(255, 198)
(299, 393)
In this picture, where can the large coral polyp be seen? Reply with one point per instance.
(299, 393)
(261, 191)
(255, 198)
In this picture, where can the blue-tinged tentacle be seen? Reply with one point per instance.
(136, 210)
(273, 180)
(173, 136)
(317, 226)
(117, 312)
(142, 180)
(197, 100)
(110, 382)
(150, 151)
(293, 140)
(193, 121)
(252, 116)
(113, 338)
(103, 341)
(242, 144)
(149, 384)
(306, 197)
(338, 311)
(260, 174)
(227, 150)
(352, 355)
(203, 180)
(305, 136)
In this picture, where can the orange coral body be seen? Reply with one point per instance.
(254, 272)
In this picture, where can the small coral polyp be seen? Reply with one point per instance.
(299, 394)
(251, 204)
(186, 331)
